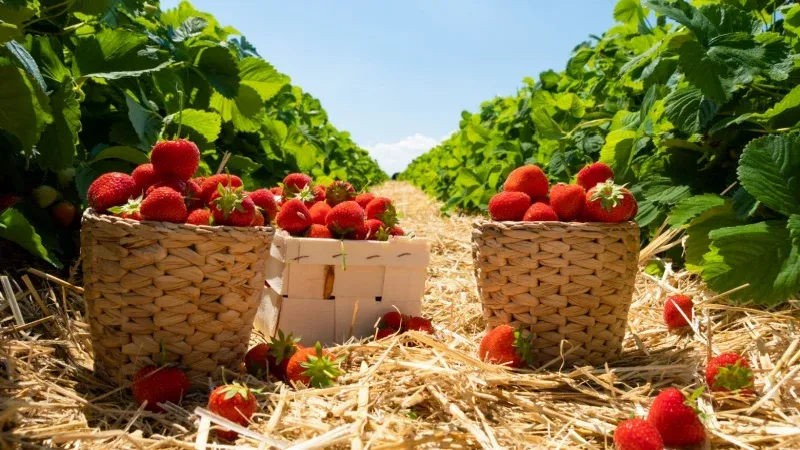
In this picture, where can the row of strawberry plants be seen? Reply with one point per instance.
(695, 106)
(88, 87)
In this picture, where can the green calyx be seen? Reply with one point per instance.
(131, 207)
(609, 194)
(523, 347)
(389, 217)
(734, 377)
(321, 369)
(691, 402)
(234, 389)
(383, 234)
(306, 195)
(340, 191)
(283, 346)
(229, 200)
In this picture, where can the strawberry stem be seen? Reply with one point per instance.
(180, 110)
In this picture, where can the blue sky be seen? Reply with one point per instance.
(397, 74)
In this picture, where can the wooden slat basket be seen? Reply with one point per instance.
(328, 290)
(193, 290)
(569, 284)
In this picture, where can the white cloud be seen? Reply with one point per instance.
(395, 157)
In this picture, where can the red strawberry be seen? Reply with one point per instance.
(397, 231)
(384, 333)
(192, 196)
(419, 324)
(211, 184)
(198, 180)
(509, 206)
(164, 205)
(169, 384)
(382, 208)
(345, 219)
(319, 211)
(311, 195)
(567, 201)
(610, 203)
(372, 231)
(265, 200)
(111, 189)
(172, 183)
(339, 192)
(294, 217)
(675, 418)
(277, 191)
(637, 434)
(313, 367)
(232, 206)
(528, 179)
(594, 173)
(505, 345)
(8, 200)
(234, 402)
(729, 372)
(281, 349)
(200, 217)
(63, 213)
(258, 219)
(541, 199)
(178, 159)
(673, 306)
(188, 189)
(539, 212)
(393, 319)
(295, 182)
(145, 176)
(255, 360)
(317, 231)
(364, 199)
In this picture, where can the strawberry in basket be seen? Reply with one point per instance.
(527, 196)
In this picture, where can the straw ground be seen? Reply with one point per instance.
(415, 390)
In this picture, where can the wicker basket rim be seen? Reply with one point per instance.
(90, 214)
(485, 223)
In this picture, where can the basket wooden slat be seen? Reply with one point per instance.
(193, 289)
(569, 284)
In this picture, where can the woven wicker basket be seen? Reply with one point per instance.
(196, 289)
(570, 284)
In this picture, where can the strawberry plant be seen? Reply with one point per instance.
(694, 105)
(88, 88)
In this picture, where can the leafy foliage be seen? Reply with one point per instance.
(88, 86)
(698, 112)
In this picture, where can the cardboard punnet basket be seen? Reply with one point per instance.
(328, 290)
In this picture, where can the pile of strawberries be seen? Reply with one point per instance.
(282, 358)
(527, 196)
(393, 323)
(334, 212)
(673, 419)
(164, 191)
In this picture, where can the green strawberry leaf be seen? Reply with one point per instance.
(770, 171)
(762, 255)
(689, 208)
(15, 227)
(689, 110)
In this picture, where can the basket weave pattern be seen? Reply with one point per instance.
(193, 289)
(570, 284)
